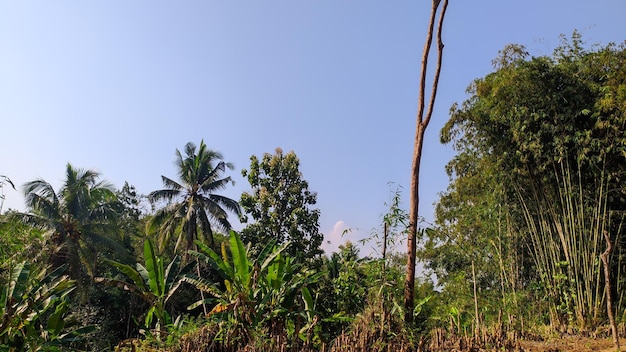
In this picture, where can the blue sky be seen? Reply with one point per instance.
(117, 86)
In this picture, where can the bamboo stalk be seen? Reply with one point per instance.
(607, 285)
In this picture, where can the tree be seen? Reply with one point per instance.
(474, 228)
(80, 218)
(349, 281)
(192, 206)
(546, 133)
(423, 118)
(131, 219)
(279, 204)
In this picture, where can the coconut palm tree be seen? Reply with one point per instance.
(79, 218)
(192, 207)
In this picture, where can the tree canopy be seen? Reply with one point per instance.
(79, 218)
(538, 176)
(193, 207)
(280, 205)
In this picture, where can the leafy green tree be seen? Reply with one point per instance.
(349, 280)
(280, 206)
(193, 208)
(133, 210)
(539, 174)
(474, 228)
(79, 219)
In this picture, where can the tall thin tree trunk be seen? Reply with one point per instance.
(423, 118)
(607, 284)
(477, 329)
(385, 235)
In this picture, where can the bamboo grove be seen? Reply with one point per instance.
(537, 182)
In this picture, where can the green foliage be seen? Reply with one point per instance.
(34, 308)
(130, 221)
(279, 205)
(78, 219)
(395, 225)
(538, 177)
(154, 282)
(18, 241)
(349, 281)
(258, 293)
(192, 206)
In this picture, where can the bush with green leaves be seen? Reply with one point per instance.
(34, 310)
(268, 293)
(154, 282)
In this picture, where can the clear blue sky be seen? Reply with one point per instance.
(117, 86)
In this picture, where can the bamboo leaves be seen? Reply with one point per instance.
(540, 152)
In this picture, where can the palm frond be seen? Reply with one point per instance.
(228, 203)
(44, 207)
(167, 194)
(104, 185)
(8, 180)
(103, 213)
(205, 227)
(212, 184)
(35, 220)
(199, 171)
(38, 190)
(165, 221)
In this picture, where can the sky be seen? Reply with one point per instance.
(118, 86)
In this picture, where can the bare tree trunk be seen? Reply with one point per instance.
(423, 118)
(607, 284)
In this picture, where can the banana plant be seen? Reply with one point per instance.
(239, 274)
(154, 282)
(254, 291)
(279, 291)
(283, 282)
(33, 308)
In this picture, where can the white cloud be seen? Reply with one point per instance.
(336, 237)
